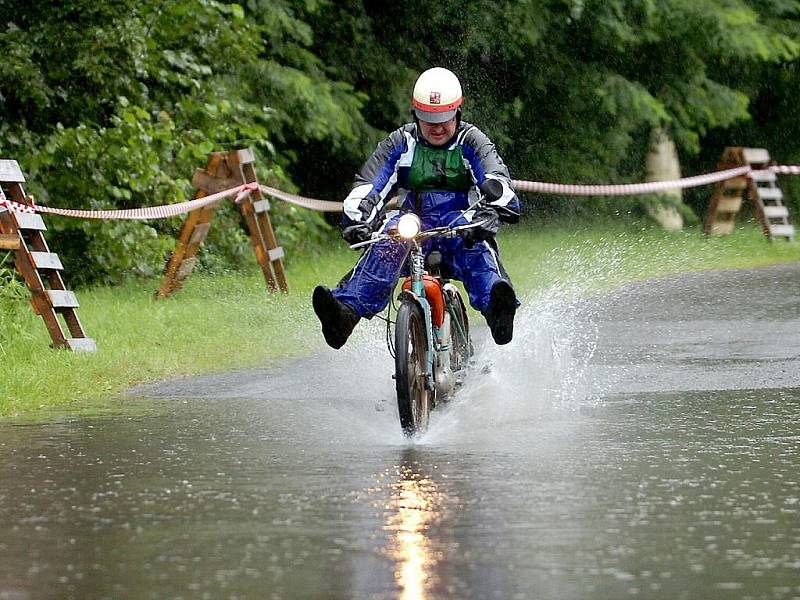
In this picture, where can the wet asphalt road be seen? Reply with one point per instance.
(640, 444)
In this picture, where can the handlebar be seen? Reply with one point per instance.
(448, 232)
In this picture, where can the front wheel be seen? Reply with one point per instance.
(414, 399)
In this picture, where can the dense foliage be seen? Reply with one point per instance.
(114, 104)
(570, 89)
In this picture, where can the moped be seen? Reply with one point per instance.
(432, 347)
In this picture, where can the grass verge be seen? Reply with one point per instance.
(225, 322)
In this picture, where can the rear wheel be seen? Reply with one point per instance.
(414, 400)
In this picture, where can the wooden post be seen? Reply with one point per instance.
(255, 209)
(226, 170)
(9, 241)
(40, 268)
(727, 198)
(195, 227)
(760, 187)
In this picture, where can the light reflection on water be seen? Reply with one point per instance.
(415, 510)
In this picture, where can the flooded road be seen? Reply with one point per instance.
(643, 444)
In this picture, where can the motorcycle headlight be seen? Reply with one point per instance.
(409, 226)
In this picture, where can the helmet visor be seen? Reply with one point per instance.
(435, 117)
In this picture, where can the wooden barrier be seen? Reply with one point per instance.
(761, 188)
(225, 170)
(40, 268)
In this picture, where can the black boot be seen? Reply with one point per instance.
(338, 319)
(500, 314)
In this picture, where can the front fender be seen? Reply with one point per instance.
(409, 296)
(425, 307)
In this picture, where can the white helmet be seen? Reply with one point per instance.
(437, 95)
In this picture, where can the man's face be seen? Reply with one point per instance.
(438, 134)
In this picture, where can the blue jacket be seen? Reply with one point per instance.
(386, 174)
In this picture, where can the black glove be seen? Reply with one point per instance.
(360, 232)
(489, 224)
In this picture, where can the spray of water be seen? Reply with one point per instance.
(542, 370)
(545, 370)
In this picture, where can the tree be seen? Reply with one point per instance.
(113, 105)
(569, 90)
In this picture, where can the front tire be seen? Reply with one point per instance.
(414, 399)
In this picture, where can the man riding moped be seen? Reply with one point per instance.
(438, 166)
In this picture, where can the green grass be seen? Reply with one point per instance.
(604, 257)
(224, 322)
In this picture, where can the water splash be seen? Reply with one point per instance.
(544, 369)
(547, 368)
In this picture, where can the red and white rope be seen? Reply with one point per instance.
(625, 189)
(170, 210)
(312, 203)
(569, 189)
(136, 214)
(13, 206)
(786, 169)
(644, 188)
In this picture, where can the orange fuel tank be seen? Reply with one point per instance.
(433, 292)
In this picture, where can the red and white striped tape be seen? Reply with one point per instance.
(13, 206)
(643, 188)
(570, 189)
(136, 214)
(625, 189)
(170, 210)
(786, 169)
(312, 203)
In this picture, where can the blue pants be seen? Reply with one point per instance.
(368, 288)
